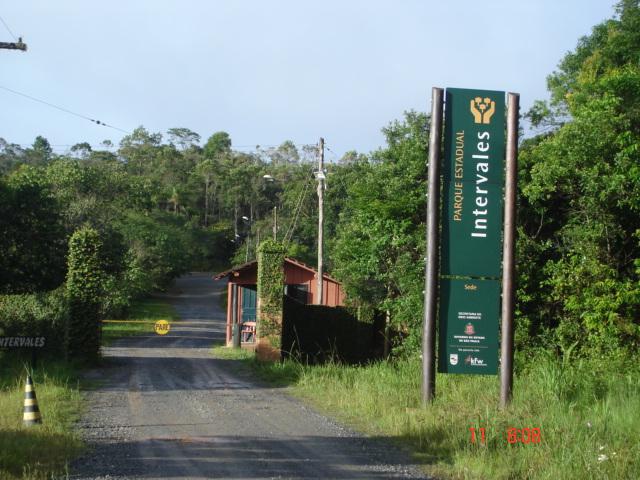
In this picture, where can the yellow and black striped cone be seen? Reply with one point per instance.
(31, 414)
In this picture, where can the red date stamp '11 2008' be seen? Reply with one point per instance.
(525, 436)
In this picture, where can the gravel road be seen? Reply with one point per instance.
(165, 409)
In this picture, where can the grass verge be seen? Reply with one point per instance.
(588, 413)
(142, 315)
(41, 451)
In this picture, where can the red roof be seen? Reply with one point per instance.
(292, 261)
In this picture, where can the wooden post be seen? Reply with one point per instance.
(275, 223)
(320, 177)
(235, 324)
(229, 312)
(508, 252)
(432, 260)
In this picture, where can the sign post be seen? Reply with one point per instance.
(431, 270)
(471, 264)
(508, 253)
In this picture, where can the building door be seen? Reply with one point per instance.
(249, 301)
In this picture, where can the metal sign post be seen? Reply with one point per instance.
(508, 252)
(465, 293)
(432, 261)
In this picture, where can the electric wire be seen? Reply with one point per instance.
(303, 195)
(332, 152)
(66, 110)
(8, 29)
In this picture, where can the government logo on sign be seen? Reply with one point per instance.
(482, 109)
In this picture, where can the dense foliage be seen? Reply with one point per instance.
(580, 197)
(270, 288)
(164, 205)
(43, 314)
(85, 281)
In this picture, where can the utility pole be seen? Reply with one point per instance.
(206, 201)
(19, 45)
(320, 177)
(275, 223)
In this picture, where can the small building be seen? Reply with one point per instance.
(300, 283)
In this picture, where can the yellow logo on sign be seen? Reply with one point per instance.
(482, 109)
(162, 327)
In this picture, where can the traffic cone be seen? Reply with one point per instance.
(31, 414)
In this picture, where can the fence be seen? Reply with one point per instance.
(316, 333)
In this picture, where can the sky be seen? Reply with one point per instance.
(266, 71)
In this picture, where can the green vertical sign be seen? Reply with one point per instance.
(473, 181)
(469, 315)
(471, 243)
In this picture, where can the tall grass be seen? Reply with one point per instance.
(41, 451)
(588, 412)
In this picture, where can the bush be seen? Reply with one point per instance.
(161, 246)
(42, 314)
(85, 280)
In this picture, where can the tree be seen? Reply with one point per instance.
(40, 152)
(11, 154)
(380, 237)
(580, 207)
(139, 150)
(183, 137)
(33, 240)
(218, 144)
(81, 150)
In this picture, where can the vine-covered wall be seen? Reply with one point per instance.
(270, 293)
(84, 290)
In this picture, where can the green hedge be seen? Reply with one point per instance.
(270, 288)
(36, 315)
(85, 280)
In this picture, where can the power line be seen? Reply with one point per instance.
(259, 146)
(8, 29)
(298, 209)
(66, 110)
(332, 152)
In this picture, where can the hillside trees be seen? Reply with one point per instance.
(379, 248)
(32, 235)
(581, 196)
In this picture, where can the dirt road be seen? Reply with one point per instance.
(167, 409)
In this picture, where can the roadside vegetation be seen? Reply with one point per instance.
(586, 411)
(42, 451)
(88, 234)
